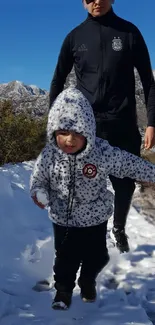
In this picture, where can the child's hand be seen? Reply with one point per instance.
(40, 205)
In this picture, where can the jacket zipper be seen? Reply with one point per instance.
(71, 187)
(100, 80)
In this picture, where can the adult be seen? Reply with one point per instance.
(104, 51)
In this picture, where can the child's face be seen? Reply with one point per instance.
(70, 142)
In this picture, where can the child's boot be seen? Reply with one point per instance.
(62, 300)
(88, 290)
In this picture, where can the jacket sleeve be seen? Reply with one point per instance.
(143, 65)
(63, 68)
(121, 163)
(40, 179)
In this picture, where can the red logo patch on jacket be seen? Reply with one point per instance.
(89, 170)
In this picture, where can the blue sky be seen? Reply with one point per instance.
(32, 31)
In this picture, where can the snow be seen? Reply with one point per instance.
(42, 198)
(126, 287)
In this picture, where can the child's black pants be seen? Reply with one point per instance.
(81, 245)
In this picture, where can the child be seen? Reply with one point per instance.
(71, 173)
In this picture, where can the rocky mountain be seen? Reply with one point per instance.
(29, 99)
(35, 101)
(141, 109)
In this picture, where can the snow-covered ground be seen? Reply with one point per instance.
(126, 287)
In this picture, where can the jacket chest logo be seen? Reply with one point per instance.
(117, 44)
(82, 48)
(89, 170)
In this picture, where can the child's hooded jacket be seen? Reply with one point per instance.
(76, 185)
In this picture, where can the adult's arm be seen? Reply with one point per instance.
(143, 65)
(63, 68)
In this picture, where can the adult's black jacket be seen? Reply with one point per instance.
(104, 52)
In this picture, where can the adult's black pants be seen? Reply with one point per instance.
(129, 139)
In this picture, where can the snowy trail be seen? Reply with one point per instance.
(126, 287)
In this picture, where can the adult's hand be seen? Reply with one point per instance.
(149, 140)
(40, 205)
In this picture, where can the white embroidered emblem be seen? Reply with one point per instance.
(117, 44)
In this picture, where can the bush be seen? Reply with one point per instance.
(21, 137)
